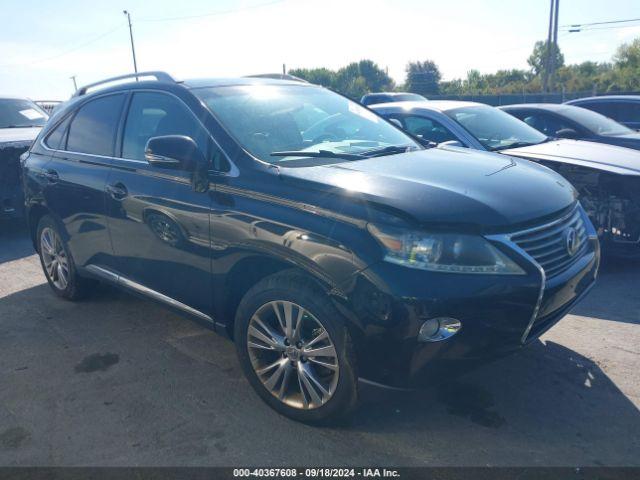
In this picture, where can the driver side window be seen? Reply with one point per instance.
(155, 114)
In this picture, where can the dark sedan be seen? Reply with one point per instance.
(622, 108)
(567, 121)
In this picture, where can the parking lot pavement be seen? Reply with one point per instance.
(116, 380)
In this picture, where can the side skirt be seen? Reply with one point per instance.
(119, 280)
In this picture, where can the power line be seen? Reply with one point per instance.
(66, 52)
(591, 29)
(575, 25)
(211, 14)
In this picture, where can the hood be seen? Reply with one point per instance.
(18, 136)
(611, 158)
(445, 186)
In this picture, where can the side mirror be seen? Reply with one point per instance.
(396, 122)
(174, 151)
(451, 143)
(567, 133)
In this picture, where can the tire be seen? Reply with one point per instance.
(319, 389)
(52, 250)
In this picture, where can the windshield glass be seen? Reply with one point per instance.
(408, 97)
(267, 119)
(15, 113)
(495, 129)
(594, 122)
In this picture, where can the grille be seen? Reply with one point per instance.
(547, 243)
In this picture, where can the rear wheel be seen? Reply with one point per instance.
(57, 263)
(295, 350)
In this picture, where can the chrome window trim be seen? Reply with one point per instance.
(139, 288)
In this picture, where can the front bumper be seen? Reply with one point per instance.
(499, 315)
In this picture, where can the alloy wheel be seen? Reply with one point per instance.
(293, 355)
(54, 258)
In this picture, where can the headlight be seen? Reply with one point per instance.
(443, 252)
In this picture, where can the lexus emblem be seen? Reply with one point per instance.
(571, 241)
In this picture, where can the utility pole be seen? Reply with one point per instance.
(75, 85)
(133, 50)
(547, 60)
(555, 48)
(552, 46)
(284, 69)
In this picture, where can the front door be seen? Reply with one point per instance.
(159, 225)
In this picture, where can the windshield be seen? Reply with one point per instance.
(495, 129)
(407, 97)
(595, 122)
(15, 113)
(269, 120)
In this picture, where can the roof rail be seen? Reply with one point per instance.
(278, 76)
(160, 77)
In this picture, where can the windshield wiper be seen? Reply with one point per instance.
(319, 153)
(390, 150)
(20, 126)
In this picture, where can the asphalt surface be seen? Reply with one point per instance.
(117, 380)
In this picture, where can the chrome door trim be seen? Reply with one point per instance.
(139, 288)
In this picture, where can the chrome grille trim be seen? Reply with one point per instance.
(546, 243)
(528, 253)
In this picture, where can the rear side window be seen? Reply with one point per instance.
(93, 129)
(605, 109)
(57, 139)
(628, 112)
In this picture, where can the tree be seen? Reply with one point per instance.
(362, 77)
(423, 77)
(354, 80)
(318, 76)
(538, 58)
(627, 67)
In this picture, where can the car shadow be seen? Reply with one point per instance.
(547, 394)
(14, 240)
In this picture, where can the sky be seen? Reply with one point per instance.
(44, 42)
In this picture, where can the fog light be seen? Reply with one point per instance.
(438, 329)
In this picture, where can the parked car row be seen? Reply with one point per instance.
(606, 176)
(331, 245)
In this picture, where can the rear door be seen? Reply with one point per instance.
(83, 146)
(159, 225)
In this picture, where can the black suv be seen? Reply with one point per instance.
(325, 241)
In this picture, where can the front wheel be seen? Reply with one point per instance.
(295, 350)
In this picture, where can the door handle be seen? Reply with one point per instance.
(52, 176)
(117, 191)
